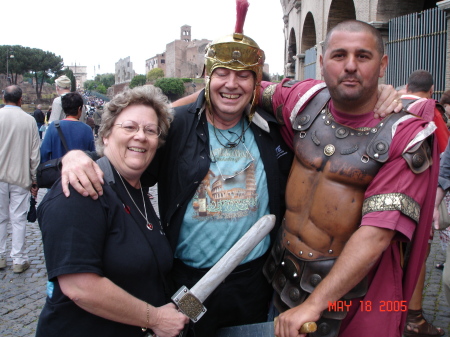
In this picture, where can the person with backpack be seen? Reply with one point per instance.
(77, 135)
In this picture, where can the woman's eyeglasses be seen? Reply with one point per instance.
(150, 130)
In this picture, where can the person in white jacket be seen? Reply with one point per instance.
(19, 159)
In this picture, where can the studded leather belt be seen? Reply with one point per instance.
(302, 251)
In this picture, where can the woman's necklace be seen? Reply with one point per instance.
(149, 225)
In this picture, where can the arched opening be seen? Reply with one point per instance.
(309, 49)
(341, 10)
(291, 57)
(309, 38)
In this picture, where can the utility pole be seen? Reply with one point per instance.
(9, 55)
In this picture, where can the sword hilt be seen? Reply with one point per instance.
(307, 327)
(188, 304)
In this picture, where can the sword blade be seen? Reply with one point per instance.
(190, 302)
(206, 285)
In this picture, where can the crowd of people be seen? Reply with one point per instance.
(345, 170)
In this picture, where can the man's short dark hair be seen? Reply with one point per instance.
(356, 26)
(71, 102)
(445, 98)
(12, 94)
(420, 81)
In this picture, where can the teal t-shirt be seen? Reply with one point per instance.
(229, 200)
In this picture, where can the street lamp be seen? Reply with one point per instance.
(9, 55)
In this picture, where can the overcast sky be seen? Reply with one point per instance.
(97, 34)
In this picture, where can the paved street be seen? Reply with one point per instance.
(23, 295)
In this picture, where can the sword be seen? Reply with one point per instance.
(190, 302)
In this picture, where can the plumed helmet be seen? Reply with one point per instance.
(236, 52)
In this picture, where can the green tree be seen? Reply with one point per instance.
(154, 74)
(137, 81)
(14, 59)
(73, 80)
(107, 80)
(101, 89)
(43, 64)
(173, 88)
(90, 85)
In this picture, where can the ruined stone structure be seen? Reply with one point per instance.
(124, 71)
(306, 23)
(80, 74)
(182, 58)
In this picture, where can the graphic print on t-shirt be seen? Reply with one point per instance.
(232, 196)
(229, 189)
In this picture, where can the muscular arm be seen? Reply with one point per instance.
(361, 252)
(99, 296)
(186, 100)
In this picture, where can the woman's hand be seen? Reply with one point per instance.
(101, 297)
(169, 322)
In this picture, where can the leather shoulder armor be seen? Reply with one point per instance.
(419, 157)
(378, 148)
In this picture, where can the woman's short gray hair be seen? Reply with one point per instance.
(146, 95)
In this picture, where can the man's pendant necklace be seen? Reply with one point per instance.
(149, 225)
(230, 144)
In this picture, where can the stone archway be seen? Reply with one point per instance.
(309, 38)
(341, 10)
(308, 48)
(292, 55)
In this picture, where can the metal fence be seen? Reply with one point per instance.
(310, 63)
(417, 41)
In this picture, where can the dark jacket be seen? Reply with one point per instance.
(39, 116)
(182, 163)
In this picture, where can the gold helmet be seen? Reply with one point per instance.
(236, 52)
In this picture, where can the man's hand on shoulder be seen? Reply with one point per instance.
(388, 101)
(82, 173)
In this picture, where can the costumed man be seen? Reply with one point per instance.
(418, 97)
(357, 195)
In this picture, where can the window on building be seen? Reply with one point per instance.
(163, 61)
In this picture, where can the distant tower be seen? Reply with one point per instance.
(185, 33)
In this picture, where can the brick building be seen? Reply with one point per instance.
(182, 58)
(158, 61)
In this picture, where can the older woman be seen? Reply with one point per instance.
(107, 258)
